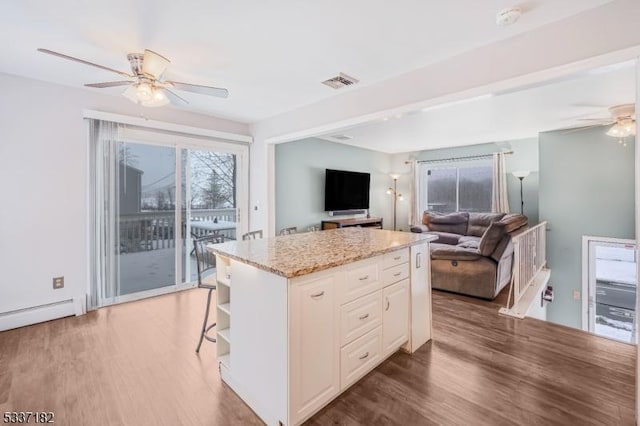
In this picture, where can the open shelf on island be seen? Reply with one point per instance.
(225, 360)
(225, 334)
(226, 308)
(223, 270)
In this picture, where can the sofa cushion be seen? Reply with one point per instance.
(445, 237)
(472, 244)
(513, 222)
(419, 228)
(448, 252)
(479, 222)
(491, 238)
(468, 238)
(455, 223)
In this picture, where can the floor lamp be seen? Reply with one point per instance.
(394, 191)
(521, 175)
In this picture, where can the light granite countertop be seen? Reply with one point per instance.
(300, 254)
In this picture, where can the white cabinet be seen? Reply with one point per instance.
(360, 316)
(395, 316)
(297, 343)
(314, 344)
(359, 357)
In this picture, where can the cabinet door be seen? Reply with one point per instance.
(395, 316)
(314, 345)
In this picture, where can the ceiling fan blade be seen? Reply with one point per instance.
(581, 128)
(203, 90)
(175, 99)
(82, 61)
(598, 121)
(109, 84)
(154, 64)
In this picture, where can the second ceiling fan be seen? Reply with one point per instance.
(146, 86)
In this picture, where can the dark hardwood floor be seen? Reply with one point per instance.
(134, 364)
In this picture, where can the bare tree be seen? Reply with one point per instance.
(213, 179)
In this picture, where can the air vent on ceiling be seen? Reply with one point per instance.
(340, 81)
(342, 137)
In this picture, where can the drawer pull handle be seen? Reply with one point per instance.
(397, 258)
(366, 277)
(364, 356)
(388, 304)
(364, 317)
(397, 274)
(318, 294)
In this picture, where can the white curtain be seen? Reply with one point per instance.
(103, 146)
(415, 215)
(499, 197)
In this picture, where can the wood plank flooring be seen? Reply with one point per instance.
(134, 364)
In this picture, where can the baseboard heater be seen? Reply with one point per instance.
(42, 313)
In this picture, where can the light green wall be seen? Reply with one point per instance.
(586, 188)
(524, 157)
(300, 173)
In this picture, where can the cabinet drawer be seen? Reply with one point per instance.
(395, 258)
(395, 274)
(360, 356)
(363, 278)
(360, 316)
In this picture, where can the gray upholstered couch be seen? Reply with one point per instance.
(473, 254)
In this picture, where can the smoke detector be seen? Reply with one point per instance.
(340, 81)
(508, 16)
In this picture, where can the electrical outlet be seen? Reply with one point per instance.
(58, 282)
(576, 294)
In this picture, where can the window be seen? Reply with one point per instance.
(456, 188)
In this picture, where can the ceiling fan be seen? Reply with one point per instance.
(146, 86)
(622, 122)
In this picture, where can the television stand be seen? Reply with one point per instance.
(372, 222)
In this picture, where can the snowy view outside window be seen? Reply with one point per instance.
(451, 189)
(615, 297)
(148, 241)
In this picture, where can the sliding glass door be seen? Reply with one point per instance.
(153, 192)
(146, 217)
(210, 200)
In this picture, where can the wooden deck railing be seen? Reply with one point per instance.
(529, 269)
(154, 230)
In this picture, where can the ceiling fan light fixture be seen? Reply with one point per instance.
(158, 99)
(130, 93)
(144, 92)
(622, 130)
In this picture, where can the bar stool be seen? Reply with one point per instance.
(253, 235)
(290, 230)
(206, 261)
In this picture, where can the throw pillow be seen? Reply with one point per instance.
(455, 223)
(491, 238)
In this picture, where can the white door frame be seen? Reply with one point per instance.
(187, 138)
(588, 285)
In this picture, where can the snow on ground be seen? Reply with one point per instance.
(146, 270)
(613, 329)
(616, 264)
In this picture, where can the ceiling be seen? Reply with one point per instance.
(501, 117)
(271, 56)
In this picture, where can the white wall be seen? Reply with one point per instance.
(43, 184)
(300, 178)
(551, 51)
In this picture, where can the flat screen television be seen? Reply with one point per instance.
(346, 190)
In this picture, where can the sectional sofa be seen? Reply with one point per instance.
(473, 254)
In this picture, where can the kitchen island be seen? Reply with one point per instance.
(302, 317)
